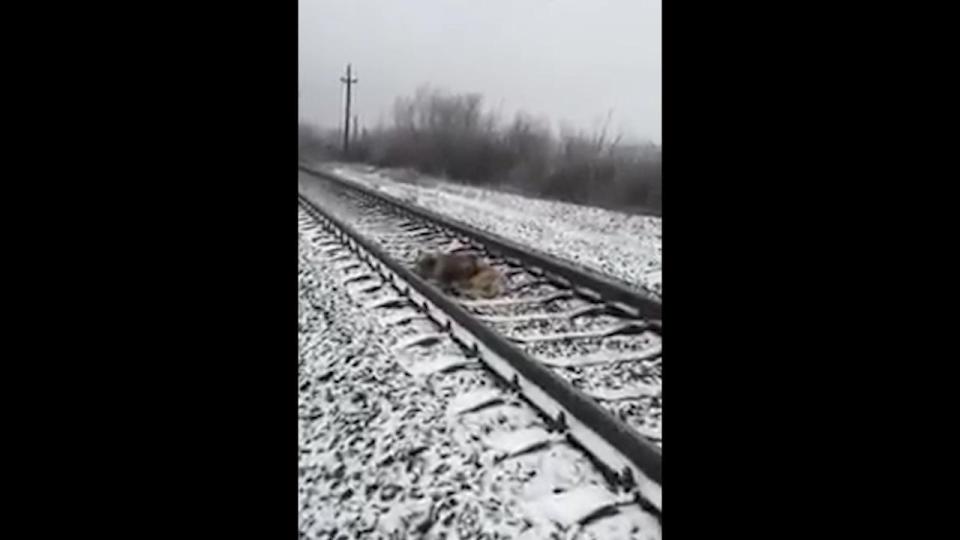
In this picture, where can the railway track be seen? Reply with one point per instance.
(390, 395)
(583, 350)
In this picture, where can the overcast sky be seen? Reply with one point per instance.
(566, 61)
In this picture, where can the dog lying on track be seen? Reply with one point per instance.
(465, 274)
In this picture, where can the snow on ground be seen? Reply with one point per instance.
(624, 246)
(381, 455)
(629, 390)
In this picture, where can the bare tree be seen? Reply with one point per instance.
(452, 134)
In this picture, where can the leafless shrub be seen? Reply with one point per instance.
(315, 144)
(451, 135)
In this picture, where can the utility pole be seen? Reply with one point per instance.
(349, 81)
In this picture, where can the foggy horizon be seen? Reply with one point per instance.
(569, 63)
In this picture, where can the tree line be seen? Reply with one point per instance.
(454, 136)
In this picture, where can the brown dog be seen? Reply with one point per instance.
(464, 273)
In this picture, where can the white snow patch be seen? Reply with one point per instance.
(438, 364)
(420, 339)
(634, 391)
(603, 357)
(474, 400)
(385, 301)
(401, 318)
(500, 302)
(510, 443)
(571, 507)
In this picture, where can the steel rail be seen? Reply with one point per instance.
(645, 305)
(587, 416)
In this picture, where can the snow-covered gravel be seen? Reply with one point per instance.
(383, 456)
(630, 391)
(624, 246)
